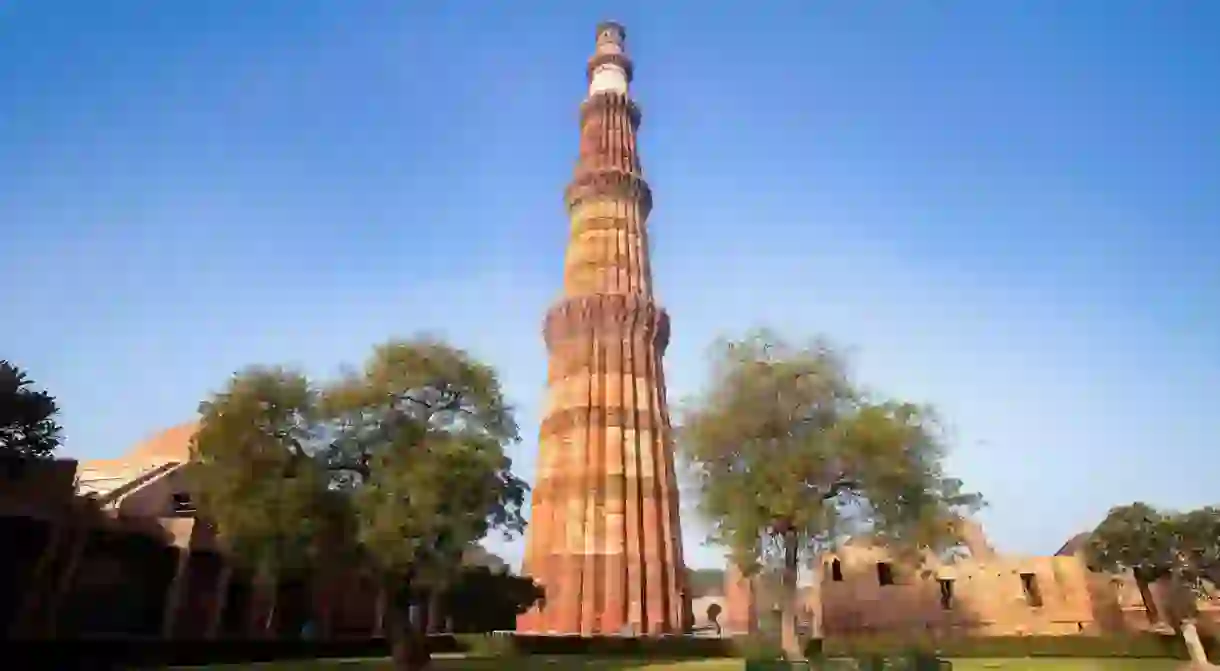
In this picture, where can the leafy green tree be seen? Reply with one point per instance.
(27, 416)
(792, 458)
(402, 464)
(1183, 549)
(424, 430)
(255, 477)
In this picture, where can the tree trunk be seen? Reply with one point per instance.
(264, 605)
(789, 640)
(1154, 613)
(815, 609)
(434, 610)
(1183, 611)
(269, 615)
(1194, 646)
(379, 613)
(408, 645)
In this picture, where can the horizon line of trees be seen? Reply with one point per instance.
(401, 467)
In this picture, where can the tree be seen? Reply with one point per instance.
(1181, 548)
(791, 459)
(253, 478)
(401, 465)
(27, 416)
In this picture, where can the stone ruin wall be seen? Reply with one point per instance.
(989, 595)
(997, 596)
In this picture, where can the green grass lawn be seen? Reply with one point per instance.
(573, 663)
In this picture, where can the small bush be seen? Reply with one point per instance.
(756, 647)
(490, 645)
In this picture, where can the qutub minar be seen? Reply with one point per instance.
(604, 538)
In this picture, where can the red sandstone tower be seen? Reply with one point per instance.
(604, 537)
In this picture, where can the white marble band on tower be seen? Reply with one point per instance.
(608, 78)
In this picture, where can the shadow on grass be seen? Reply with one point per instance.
(563, 663)
(573, 663)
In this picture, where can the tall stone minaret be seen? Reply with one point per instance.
(604, 537)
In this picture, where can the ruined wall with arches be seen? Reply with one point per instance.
(864, 590)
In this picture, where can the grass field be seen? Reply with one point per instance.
(571, 664)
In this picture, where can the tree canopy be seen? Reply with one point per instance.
(401, 464)
(1156, 544)
(255, 475)
(791, 458)
(784, 441)
(1152, 544)
(27, 416)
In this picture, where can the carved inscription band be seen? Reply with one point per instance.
(610, 315)
(597, 417)
(563, 488)
(609, 185)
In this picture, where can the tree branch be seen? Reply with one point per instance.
(450, 401)
(361, 468)
(841, 485)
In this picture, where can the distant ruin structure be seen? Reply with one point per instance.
(862, 590)
(114, 548)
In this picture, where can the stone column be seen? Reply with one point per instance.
(323, 592)
(379, 609)
(176, 593)
(604, 539)
(27, 618)
(221, 602)
(263, 613)
(51, 580)
(78, 545)
(740, 602)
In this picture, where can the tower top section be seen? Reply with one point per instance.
(610, 69)
(611, 36)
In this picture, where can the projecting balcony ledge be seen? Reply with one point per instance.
(609, 184)
(614, 315)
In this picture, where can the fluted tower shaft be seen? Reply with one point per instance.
(604, 537)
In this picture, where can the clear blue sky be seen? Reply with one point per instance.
(1008, 209)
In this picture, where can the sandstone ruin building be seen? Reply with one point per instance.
(861, 590)
(604, 538)
(114, 548)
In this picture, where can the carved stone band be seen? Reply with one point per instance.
(607, 315)
(609, 184)
(610, 491)
(598, 418)
(610, 102)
